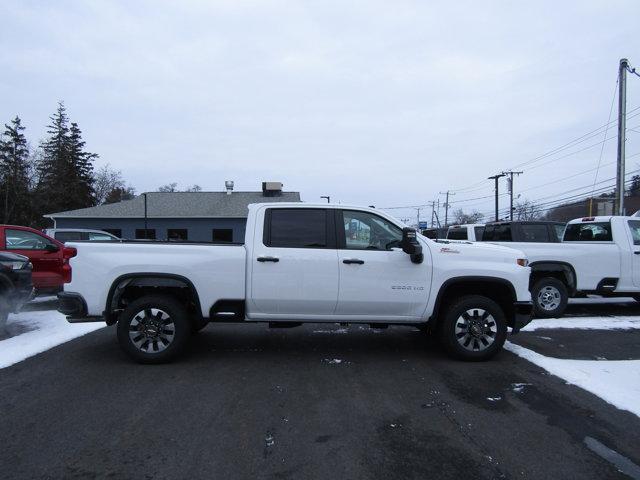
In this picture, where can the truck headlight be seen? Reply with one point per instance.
(13, 265)
(523, 262)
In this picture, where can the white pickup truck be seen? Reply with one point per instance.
(302, 263)
(597, 255)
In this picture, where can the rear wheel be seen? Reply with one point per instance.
(550, 297)
(473, 328)
(154, 329)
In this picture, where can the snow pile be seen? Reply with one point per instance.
(615, 381)
(44, 330)
(584, 323)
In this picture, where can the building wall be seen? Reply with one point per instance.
(199, 229)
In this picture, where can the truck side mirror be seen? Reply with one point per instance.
(410, 245)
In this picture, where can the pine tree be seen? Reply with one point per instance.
(65, 171)
(15, 170)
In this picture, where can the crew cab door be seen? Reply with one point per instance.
(293, 264)
(377, 279)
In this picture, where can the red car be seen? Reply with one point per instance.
(50, 258)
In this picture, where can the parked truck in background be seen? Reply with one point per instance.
(471, 232)
(302, 263)
(597, 255)
(523, 231)
(49, 257)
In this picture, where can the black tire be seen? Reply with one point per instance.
(154, 329)
(550, 297)
(472, 336)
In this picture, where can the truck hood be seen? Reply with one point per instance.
(489, 250)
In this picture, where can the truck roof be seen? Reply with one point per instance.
(601, 218)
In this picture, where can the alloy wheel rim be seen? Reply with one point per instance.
(476, 329)
(549, 298)
(152, 330)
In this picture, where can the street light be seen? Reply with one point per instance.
(327, 197)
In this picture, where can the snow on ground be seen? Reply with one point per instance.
(615, 381)
(585, 323)
(36, 332)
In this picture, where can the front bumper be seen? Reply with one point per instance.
(522, 315)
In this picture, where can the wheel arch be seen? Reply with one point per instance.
(149, 282)
(563, 271)
(497, 289)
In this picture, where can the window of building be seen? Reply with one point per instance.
(534, 233)
(114, 231)
(366, 231)
(588, 232)
(222, 235)
(148, 234)
(296, 228)
(177, 234)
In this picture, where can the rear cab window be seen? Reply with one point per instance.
(634, 227)
(298, 228)
(478, 231)
(588, 232)
(534, 233)
(457, 234)
(497, 233)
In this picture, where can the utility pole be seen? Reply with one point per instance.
(446, 206)
(510, 184)
(496, 177)
(622, 126)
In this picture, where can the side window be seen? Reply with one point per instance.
(68, 236)
(366, 231)
(100, 237)
(24, 240)
(296, 228)
(634, 226)
(588, 232)
(479, 231)
(114, 231)
(497, 233)
(534, 233)
(559, 231)
(457, 234)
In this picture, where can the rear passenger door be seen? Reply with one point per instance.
(294, 264)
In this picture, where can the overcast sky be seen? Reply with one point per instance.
(383, 103)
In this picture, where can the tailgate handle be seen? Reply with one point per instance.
(353, 260)
(268, 259)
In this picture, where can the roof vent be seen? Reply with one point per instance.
(229, 186)
(272, 189)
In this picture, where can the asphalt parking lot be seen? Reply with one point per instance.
(316, 402)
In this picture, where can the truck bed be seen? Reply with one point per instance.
(217, 271)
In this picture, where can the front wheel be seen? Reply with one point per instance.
(473, 328)
(154, 329)
(550, 298)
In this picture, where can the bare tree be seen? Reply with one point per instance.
(194, 188)
(106, 181)
(461, 217)
(527, 210)
(169, 187)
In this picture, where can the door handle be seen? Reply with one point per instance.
(353, 260)
(268, 259)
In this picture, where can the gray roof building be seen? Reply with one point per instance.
(197, 216)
